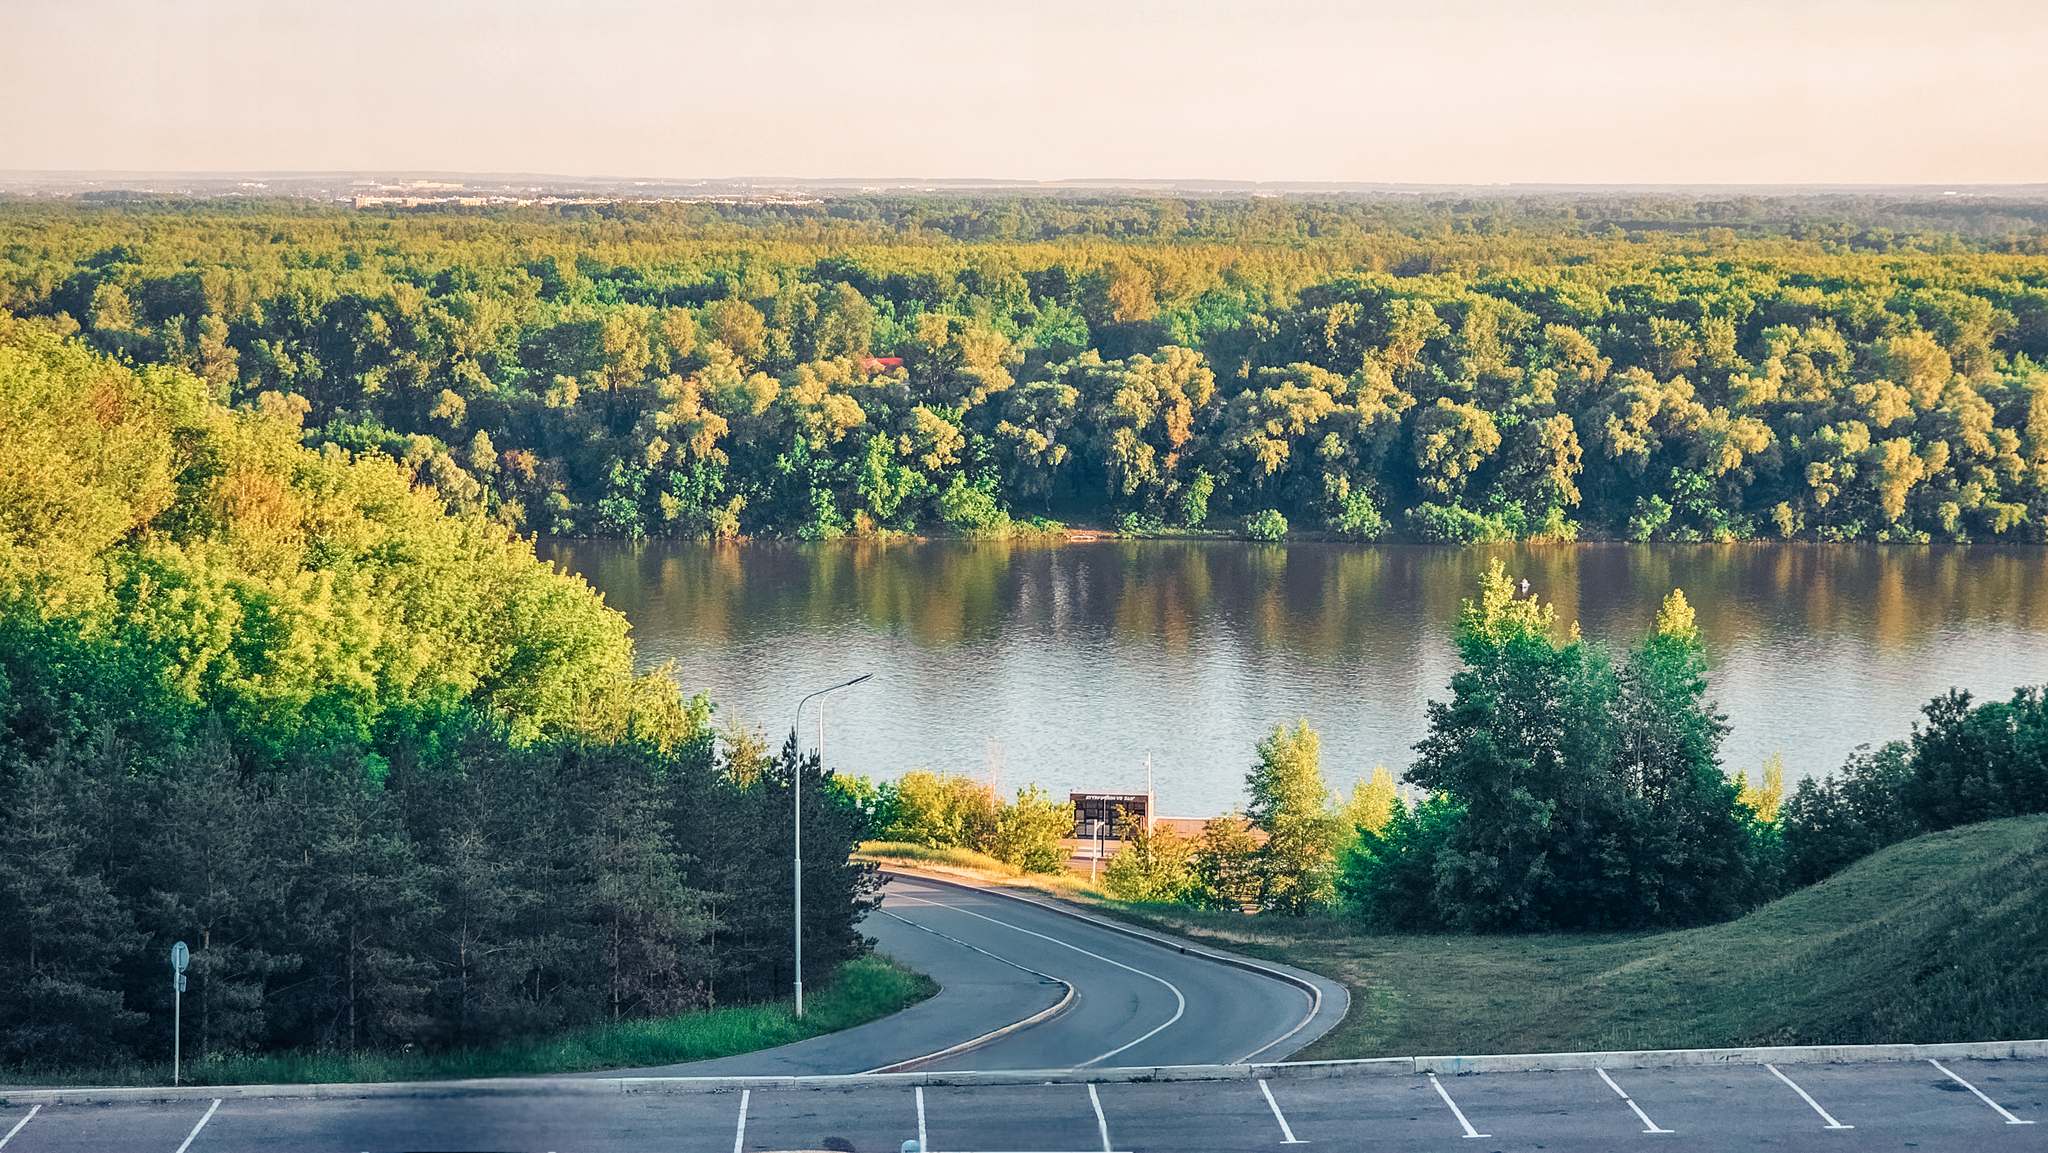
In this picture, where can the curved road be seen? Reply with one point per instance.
(1000, 960)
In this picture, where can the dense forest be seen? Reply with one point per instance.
(388, 775)
(1647, 369)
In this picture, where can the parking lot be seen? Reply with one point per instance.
(1960, 1105)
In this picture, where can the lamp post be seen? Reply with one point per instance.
(796, 802)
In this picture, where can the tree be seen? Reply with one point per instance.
(1386, 876)
(1154, 864)
(63, 932)
(1510, 746)
(650, 929)
(359, 902)
(1291, 802)
(1764, 797)
(1028, 832)
(1373, 801)
(207, 875)
(1833, 821)
(1592, 796)
(1695, 859)
(1227, 865)
(1979, 764)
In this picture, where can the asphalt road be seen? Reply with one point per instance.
(1872, 1106)
(999, 960)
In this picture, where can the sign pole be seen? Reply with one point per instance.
(180, 957)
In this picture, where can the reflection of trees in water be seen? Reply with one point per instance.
(1326, 602)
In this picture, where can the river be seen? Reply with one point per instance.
(1070, 664)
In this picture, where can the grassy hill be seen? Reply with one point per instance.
(1942, 938)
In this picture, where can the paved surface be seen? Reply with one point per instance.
(1879, 1105)
(1000, 960)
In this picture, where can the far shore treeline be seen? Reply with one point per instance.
(1547, 369)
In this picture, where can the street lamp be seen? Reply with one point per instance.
(796, 802)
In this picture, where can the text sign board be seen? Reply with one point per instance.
(1107, 807)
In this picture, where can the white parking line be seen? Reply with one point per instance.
(1470, 1132)
(33, 1110)
(922, 1144)
(740, 1138)
(1831, 1122)
(1632, 1104)
(1181, 1002)
(2009, 1118)
(201, 1125)
(1101, 1122)
(1280, 1117)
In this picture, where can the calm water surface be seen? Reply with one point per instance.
(1069, 664)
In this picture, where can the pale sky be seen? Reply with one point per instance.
(1466, 91)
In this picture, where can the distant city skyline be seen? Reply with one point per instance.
(1471, 92)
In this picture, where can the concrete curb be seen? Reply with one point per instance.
(1294, 1070)
(1314, 991)
(968, 1046)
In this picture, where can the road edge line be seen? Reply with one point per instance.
(1187, 948)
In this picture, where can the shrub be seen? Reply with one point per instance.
(1194, 501)
(1154, 864)
(972, 511)
(1359, 518)
(1268, 525)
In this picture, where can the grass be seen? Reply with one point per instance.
(1942, 938)
(863, 990)
(979, 867)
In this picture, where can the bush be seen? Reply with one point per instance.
(1452, 524)
(1268, 526)
(1028, 831)
(1153, 865)
(1139, 524)
(1386, 878)
(1967, 765)
(1359, 518)
(937, 812)
(1194, 501)
(972, 511)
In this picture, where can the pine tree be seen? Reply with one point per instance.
(207, 875)
(359, 902)
(62, 930)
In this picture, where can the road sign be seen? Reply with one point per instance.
(180, 957)
(181, 982)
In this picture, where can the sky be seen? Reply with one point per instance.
(1459, 91)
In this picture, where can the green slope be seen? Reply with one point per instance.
(1942, 938)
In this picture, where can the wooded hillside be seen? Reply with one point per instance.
(1646, 370)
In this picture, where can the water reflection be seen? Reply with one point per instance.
(1069, 663)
